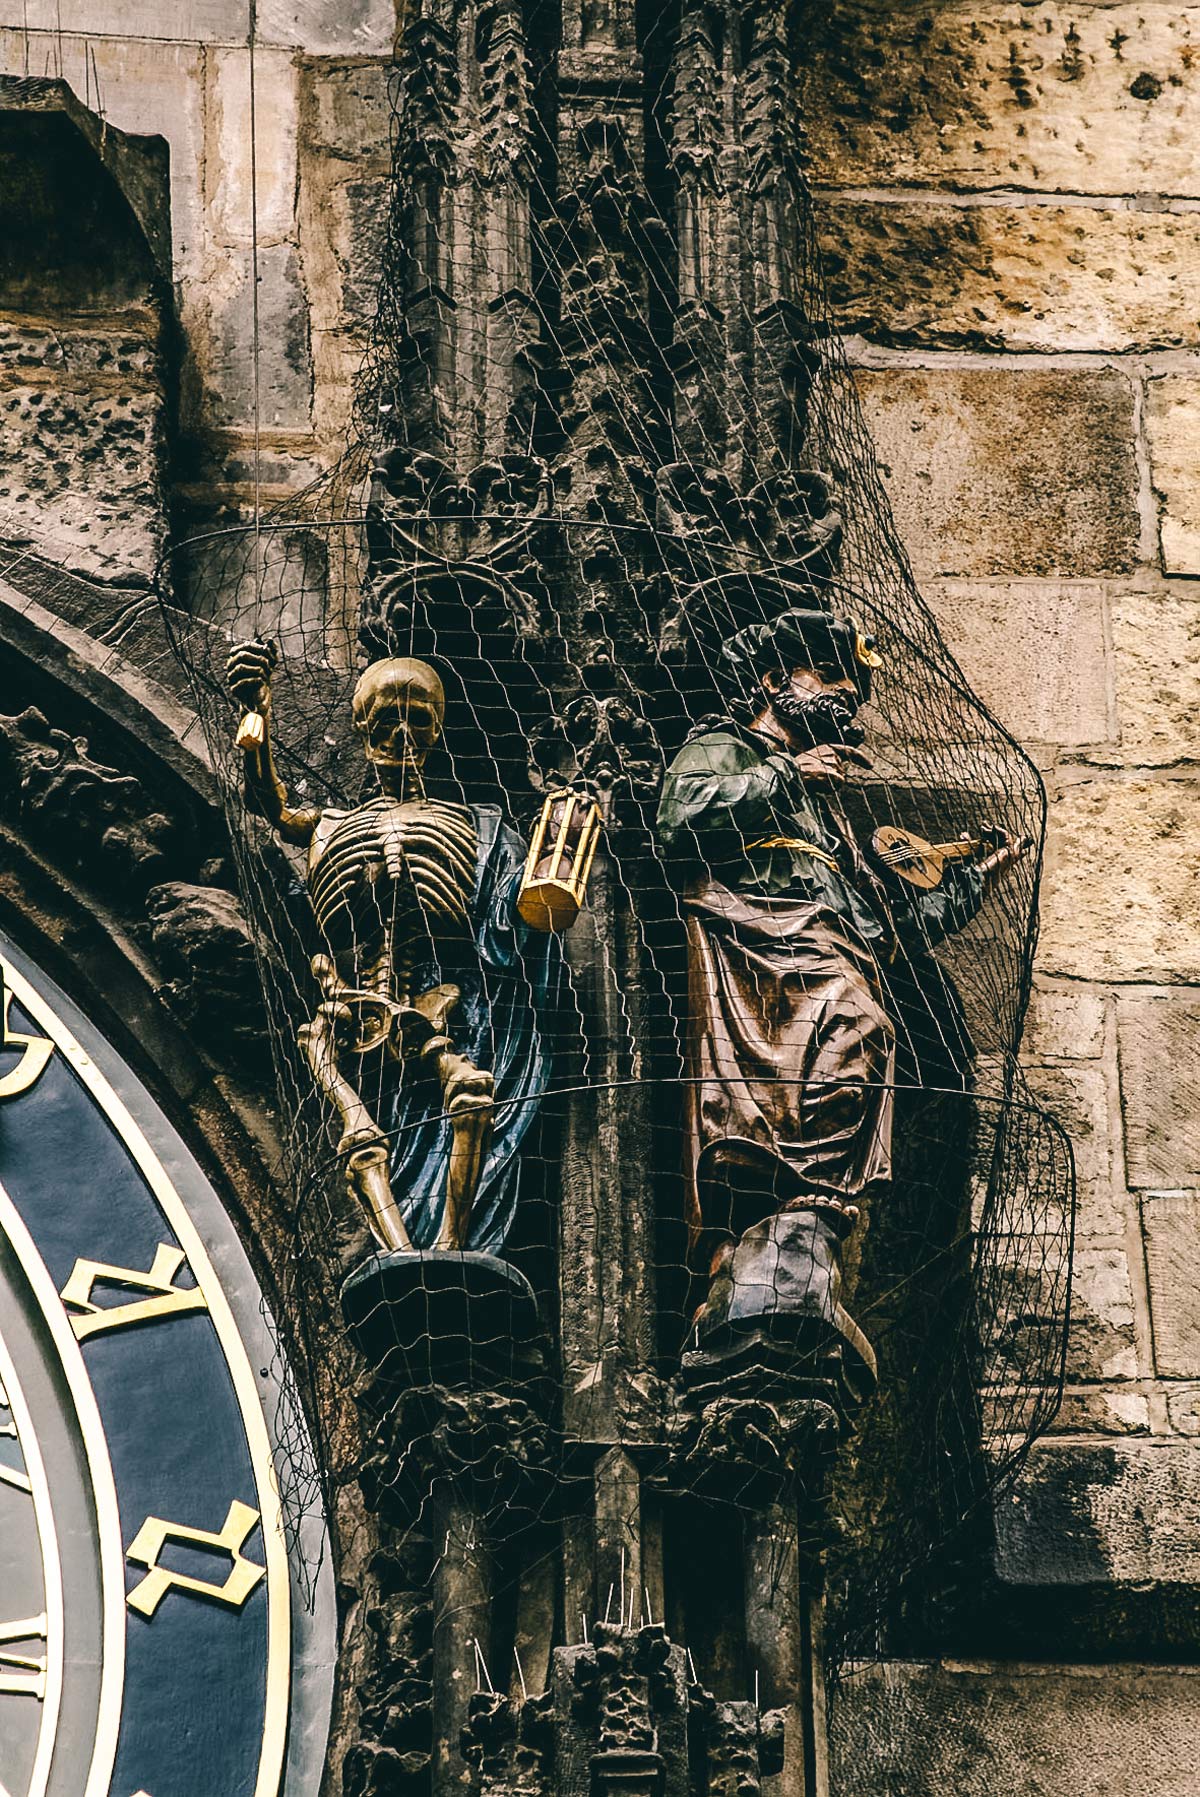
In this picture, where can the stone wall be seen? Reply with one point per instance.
(182, 73)
(83, 361)
(1009, 200)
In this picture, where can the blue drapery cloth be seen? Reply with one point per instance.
(510, 978)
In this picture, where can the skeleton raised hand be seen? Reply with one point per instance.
(248, 672)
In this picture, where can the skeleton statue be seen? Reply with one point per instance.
(435, 994)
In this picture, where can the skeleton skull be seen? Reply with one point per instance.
(398, 708)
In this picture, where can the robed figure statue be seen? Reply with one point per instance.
(433, 1032)
(791, 1031)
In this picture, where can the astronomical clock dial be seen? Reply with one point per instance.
(148, 1646)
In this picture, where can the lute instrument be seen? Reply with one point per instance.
(922, 864)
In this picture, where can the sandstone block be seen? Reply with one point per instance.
(1171, 1229)
(348, 27)
(226, 358)
(1101, 1344)
(1126, 1513)
(1055, 97)
(234, 466)
(330, 27)
(991, 472)
(337, 362)
(187, 21)
(1078, 1097)
(128, 351)
(342, 226)
(1085, 1410)
(1013, 277)
(366, 203)
(1183, 1408)
(1120, 883)
(1064, 1023)
(346, 111)
(1023, 1327)
(1158, 1039)
(355, 219)
(81, 476)
(1033, 1730)
(1055, 691)
(276, 84)
(1156, 653)
(1172, 432)
(1106, 1413)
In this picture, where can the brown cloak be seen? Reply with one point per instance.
(791, 1055)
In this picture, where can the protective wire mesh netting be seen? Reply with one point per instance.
(605, 441)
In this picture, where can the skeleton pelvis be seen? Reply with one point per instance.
(364, 1020)
(372, 1022)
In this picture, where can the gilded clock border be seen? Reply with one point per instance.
(275, 1720)
(52, 1591)
(104, 1496)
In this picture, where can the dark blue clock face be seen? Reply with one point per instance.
(100, 1240)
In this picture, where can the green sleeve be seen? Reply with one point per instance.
(720, 793)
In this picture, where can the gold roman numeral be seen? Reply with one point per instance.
(153, 1536)
(168, 1299)
(22, 1675)
(35, 1054)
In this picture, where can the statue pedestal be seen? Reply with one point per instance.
(454, 1439)
(774, 1309)
(455, 1319)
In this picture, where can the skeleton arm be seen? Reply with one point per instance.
(248, 676)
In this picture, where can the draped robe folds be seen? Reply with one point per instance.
(791, 1058)
(791, 1036)
(509, 978)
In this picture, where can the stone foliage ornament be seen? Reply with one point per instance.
(104, 826)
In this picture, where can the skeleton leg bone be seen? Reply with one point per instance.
(467, 1097)
(467, 1093)
(364, 1143)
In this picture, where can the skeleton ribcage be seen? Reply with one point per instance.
(391, 877)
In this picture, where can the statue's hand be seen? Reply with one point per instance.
(822, 766)
(1008, 852)
(248, 672)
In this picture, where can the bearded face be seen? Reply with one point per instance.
(813, 712)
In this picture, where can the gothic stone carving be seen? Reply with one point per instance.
(489, 1445)
(103, 826)
(203, 946)
(621, 1715)
(509, 1744)
(391, 1755)
(99, 818)
(470, 552)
